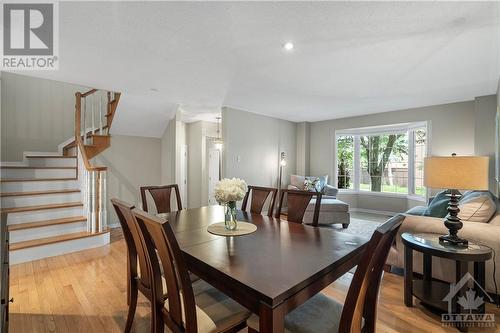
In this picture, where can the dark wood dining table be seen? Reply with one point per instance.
(271, 271)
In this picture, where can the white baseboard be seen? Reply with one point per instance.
(373, 211)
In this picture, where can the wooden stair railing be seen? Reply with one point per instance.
(89, 144)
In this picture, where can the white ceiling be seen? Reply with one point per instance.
(350, 58)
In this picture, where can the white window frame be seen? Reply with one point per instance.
(407, 128)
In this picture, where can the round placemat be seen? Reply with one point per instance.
(242, 228)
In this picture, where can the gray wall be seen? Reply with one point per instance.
(132, 162)
(484, 132)
(37, 114)
(253, 144)
(194, 138)
(172, 141)
(303, 148)
(168, 157)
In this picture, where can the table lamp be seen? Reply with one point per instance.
(455, 173)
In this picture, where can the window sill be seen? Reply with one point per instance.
(384, 194)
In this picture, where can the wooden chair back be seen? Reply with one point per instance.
(259, 197)
(135, 247)
(161, 196)
(297, 202)
(361, 300)
(160, 239)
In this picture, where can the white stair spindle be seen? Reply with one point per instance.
(93, 123)
(104, 223)
(86, 197)
(93, 216)
(84, 118)
(100, 114)
(102, 200)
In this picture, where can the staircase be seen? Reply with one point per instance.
(56, 202)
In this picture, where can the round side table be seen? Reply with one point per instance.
(438, 294)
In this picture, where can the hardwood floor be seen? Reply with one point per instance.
(85, 292)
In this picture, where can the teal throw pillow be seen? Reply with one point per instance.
(439, 205)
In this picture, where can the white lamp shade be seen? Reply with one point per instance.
(456, 172)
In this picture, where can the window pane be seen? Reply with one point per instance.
(384, 163)
(420, 142)
(345, 162)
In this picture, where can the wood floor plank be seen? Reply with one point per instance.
(72, 307)
(40, 271)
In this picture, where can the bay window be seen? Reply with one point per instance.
(385, 159)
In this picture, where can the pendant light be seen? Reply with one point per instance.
(218, 142)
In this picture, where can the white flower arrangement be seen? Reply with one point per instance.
(228, 190)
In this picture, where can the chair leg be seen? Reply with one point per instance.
(132, 300)
(157, 325)
(129, 291)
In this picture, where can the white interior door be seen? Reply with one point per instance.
(184, 174)
(213, 173)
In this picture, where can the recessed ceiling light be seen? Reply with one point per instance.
(288, 46)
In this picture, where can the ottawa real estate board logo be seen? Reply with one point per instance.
(472, 302)
(30, 36)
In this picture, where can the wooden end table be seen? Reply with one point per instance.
(433, 292)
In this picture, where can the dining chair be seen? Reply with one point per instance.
(138, 276)
(297, 202)
(161, 196)
(190, 307)
(323, 314)
(259, 197)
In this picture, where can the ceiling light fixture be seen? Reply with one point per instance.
(288, 46)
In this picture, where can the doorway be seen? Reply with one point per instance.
(213, 173)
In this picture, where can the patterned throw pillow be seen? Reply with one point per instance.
(312, 184)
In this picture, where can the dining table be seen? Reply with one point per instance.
(270, 271)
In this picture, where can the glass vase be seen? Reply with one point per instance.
(230, 215)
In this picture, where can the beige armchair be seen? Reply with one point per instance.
(444, 269)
